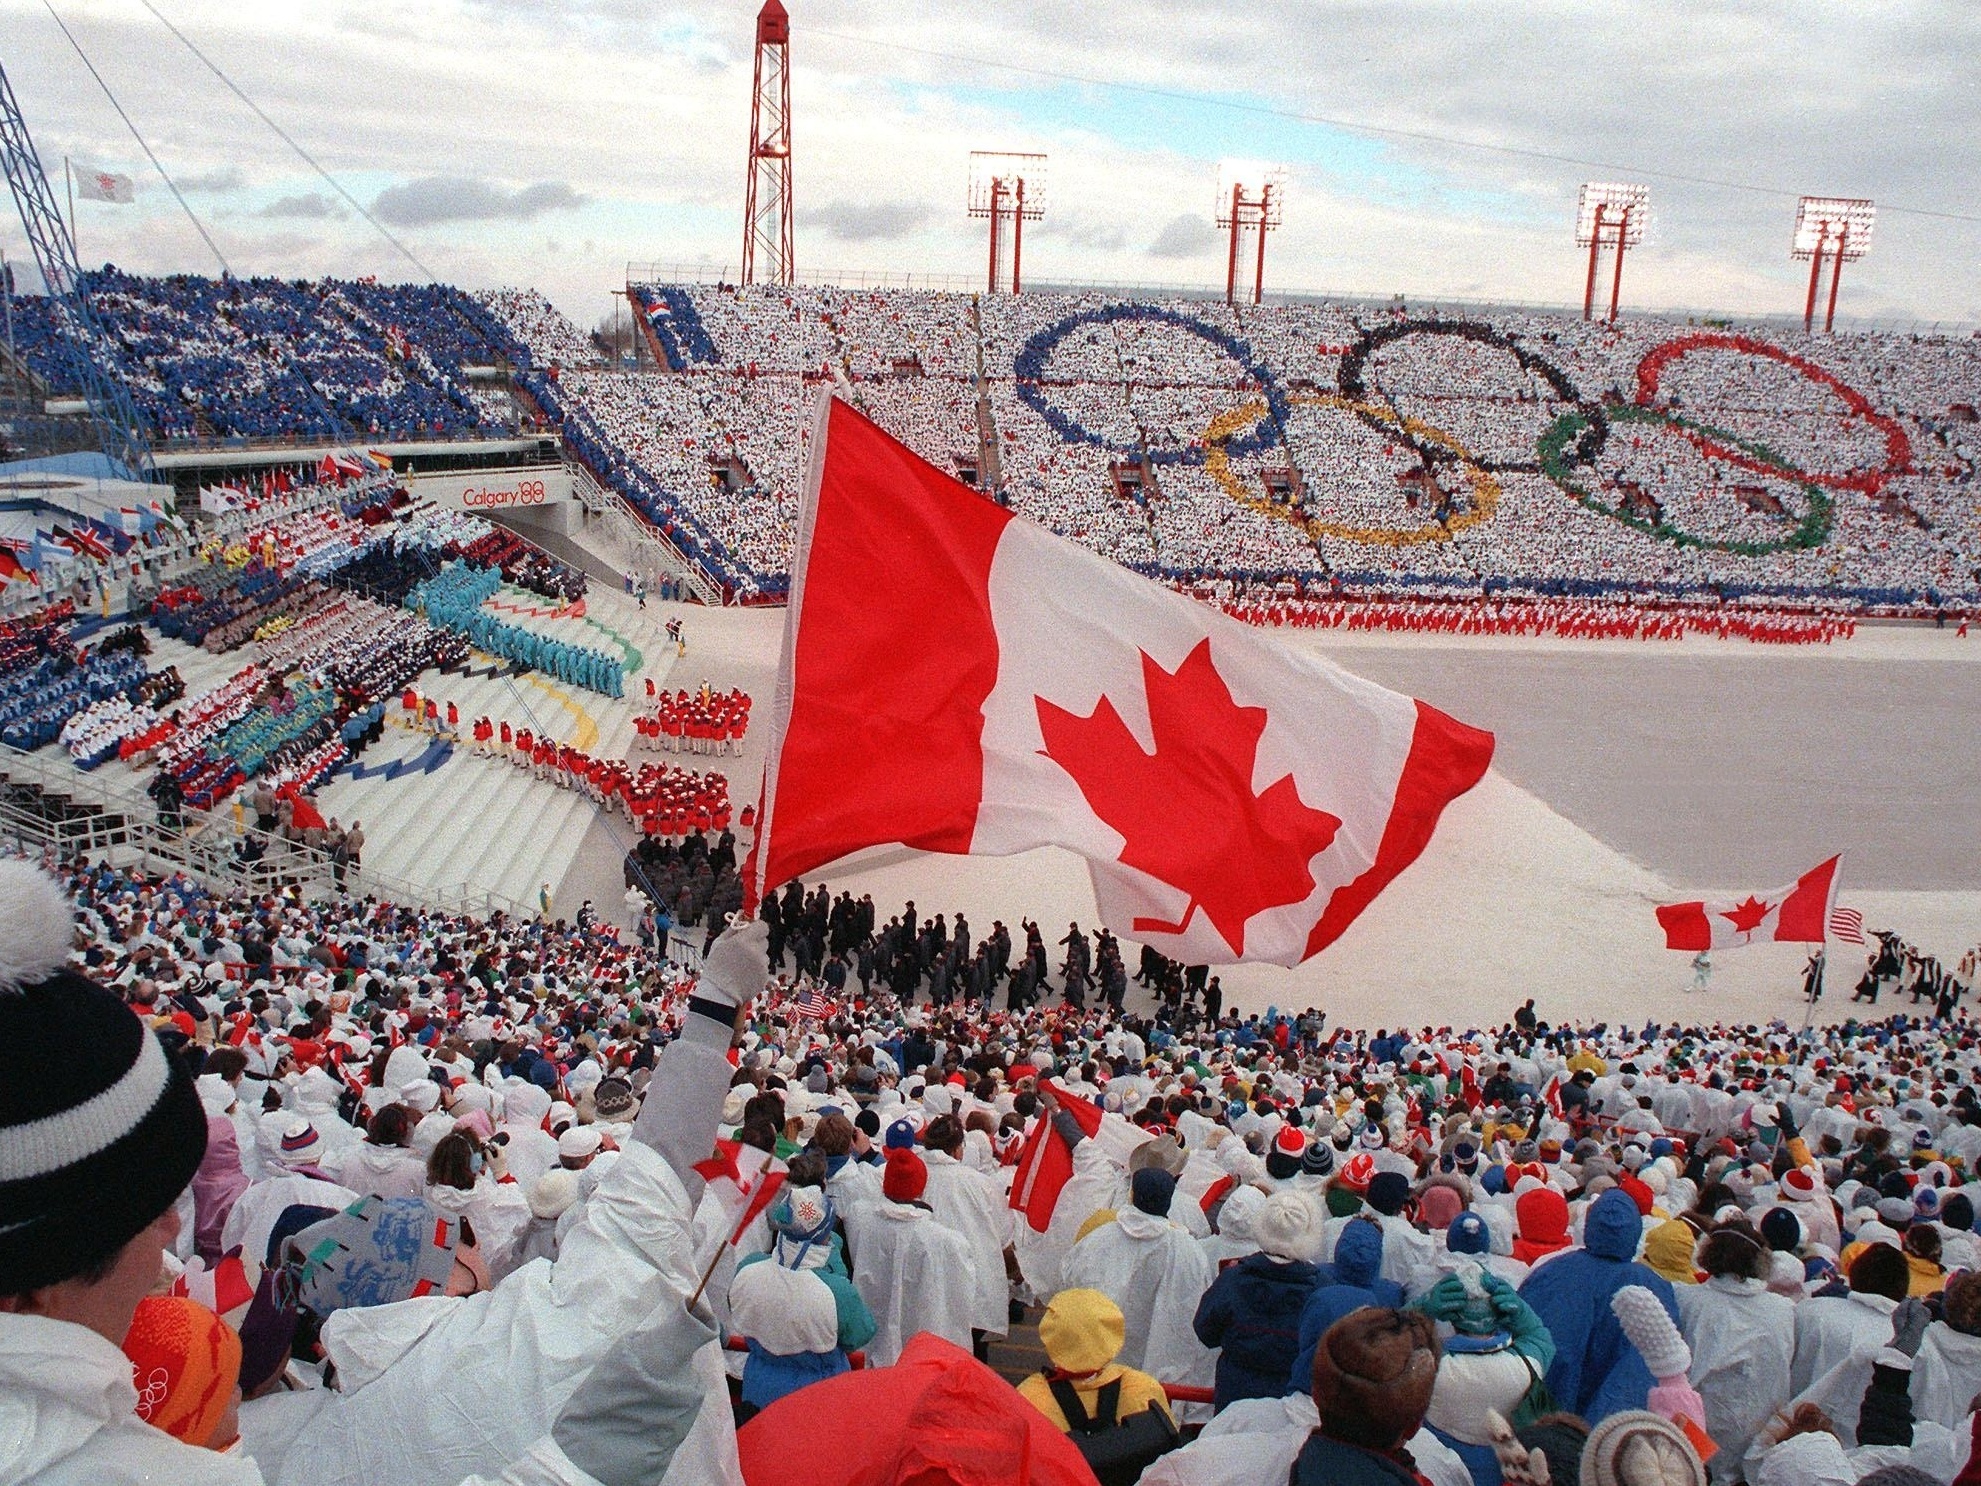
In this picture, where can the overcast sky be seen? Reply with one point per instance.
(549, 142)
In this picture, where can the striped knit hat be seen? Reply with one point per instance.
(100, 1129)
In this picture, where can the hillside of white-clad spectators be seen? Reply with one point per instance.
(1268, 458)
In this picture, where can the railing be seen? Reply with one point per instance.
(123, 825)
(653, 555)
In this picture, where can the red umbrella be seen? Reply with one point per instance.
(938, 1417)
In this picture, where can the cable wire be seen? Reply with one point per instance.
(1357, 126)
(170, 185)
(308, 159)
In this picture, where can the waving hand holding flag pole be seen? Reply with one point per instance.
(956, 679)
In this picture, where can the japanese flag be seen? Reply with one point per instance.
(1798, 913)
(956, 679)
(104, 185)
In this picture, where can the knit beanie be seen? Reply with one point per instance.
(1468, 1234)
(185, 1363)
(900, 1136)
(906, 1175)
(1388, 1191)
(1151, 1189)
(1374, 1370)
(100, 1130)
(1637, 1448)
(1781, 1230)
(1288, 1149)
(1957, 1212)
(1319, 1160)
(1651, 1330)
(554, 1193)
(377, 1251)
(1283, 1228)
(1438, 1205)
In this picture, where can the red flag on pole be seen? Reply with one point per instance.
(1235, 799)
(1045, 1165)
(1798, 913)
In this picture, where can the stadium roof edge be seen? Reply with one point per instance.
(954, 283)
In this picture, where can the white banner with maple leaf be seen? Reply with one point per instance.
(957, 679)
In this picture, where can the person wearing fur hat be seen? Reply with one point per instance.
(796, 1304)
(1156, 1273)
(1493, 1362)
(1251, 1313)
(1596, 1371)
(1374, 1372)
(1742, 1338)
(913, 1273)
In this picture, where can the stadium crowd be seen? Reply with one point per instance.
(1265, 1250)
(1381, 451)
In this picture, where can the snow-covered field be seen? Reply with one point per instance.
(1628, 774)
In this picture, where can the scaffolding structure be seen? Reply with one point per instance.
(769, 253)
(1251, 197)
(1010, 189)
(1613, 216)
(1836, 229)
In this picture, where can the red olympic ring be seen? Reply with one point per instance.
(1898, 448)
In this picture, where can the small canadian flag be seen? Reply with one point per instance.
(1798, 913)
(742, 1180)
(956, 679)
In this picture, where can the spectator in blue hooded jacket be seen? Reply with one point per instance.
(1251, 1313)
(1351, 1282)
(1596, 1371)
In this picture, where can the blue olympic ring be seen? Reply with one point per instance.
(1028, 367)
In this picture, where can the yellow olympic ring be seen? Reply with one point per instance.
(1485, 489)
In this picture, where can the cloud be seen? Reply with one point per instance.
(866, 221)
(1184, 236)
(311, 207)
(218, 182)
(434, 199)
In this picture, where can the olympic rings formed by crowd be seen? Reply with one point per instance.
(1574, 440)
(1812, 527)
(1898, 448)
(1485, 488)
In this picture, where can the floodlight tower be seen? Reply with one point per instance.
(767, 193)
(1007, 188)
(1613, 216)
(1251, 197)
(1833, 227)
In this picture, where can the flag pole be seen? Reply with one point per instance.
(69, 175)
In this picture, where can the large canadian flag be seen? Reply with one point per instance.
(956, 679)
(1798, 913)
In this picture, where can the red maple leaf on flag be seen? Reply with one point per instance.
(1187, 812)
(1746, 917)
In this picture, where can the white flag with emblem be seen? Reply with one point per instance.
(104, 185)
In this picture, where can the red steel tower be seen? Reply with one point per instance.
(767, 194)
(1250, 198)
(1010, 189)
(1837, 228)
(1609, 216)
